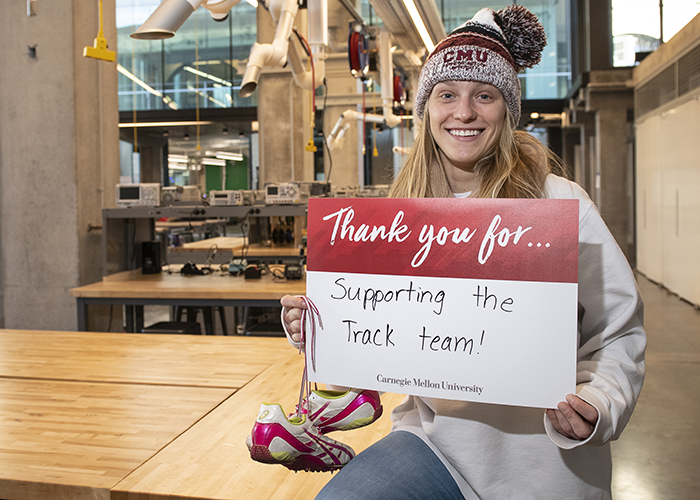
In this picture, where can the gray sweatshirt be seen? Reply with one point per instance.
(503, 452)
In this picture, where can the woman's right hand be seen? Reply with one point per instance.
(291, 315)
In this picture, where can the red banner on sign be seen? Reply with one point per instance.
(503, 239)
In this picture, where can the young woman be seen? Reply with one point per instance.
(469, 100)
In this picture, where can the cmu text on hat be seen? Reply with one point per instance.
(490, 48)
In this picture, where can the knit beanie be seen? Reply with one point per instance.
(490, 48)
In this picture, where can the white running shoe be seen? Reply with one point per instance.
(295, 443)
(342, 411)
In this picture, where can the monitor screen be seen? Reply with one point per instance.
(129, 192)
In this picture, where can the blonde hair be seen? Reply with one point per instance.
(414, 179)
(516, 167)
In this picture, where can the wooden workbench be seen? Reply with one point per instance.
(132, 288)
(226, 246)
(139, 417)
(223, 244)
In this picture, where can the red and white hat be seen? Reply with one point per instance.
(490, 48)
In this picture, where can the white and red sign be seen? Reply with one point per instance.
(467, 299)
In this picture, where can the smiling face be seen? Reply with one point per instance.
(466, 120)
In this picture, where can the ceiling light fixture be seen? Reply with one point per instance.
(225, 155)
(167, 100)
(214, 162)
(164, 124)
(206, 95)
(207, 75)
(419, 24)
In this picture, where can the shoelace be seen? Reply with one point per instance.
(313, 316)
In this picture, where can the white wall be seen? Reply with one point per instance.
(668, 197)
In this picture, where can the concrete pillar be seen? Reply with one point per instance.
(600, 34)
(609, 95)
(593, 29)
(59, 157)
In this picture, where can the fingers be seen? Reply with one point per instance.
(588, 412)
(291, 315)
(290, 301)
(574, 418)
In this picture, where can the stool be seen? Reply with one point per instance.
(207, 312)
(190, 328)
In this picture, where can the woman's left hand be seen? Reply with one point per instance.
(574, 418)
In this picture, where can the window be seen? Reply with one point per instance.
(205, 58)
(636, 25)
(551, 78)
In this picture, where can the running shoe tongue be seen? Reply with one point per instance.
(348, 410)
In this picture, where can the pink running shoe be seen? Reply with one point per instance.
(342, 411)
(294, 443)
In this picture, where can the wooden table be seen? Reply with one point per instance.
(80, 411)
(223, 243)
(135, 290)
(146, 417)
(226, 246)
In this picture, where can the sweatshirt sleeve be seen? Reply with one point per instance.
(612, 341)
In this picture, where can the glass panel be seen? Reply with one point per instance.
(551, 79)
(642, 17)
(635, 29)
(368, 14)
(457, 12)
(205, 60)
(138, 61)
(678, 13)
(637, 26)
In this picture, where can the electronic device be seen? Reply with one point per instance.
(226, 197)
(346, 192)
(254, 197)
(377, 191)
(287, 193)
(191, 269)
(170, 195)
(237, 266)
(314, 189)
(138, 195)
(252, 272)
(293, 271)
(180, 195)
(191, 194)
(150, 257)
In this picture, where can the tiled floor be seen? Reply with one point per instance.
(658, 455)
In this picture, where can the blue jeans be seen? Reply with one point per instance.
(399, 467)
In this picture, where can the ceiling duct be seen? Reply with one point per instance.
(397, 19)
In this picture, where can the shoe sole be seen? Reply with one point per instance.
(261, 453)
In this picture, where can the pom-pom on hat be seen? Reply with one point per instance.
(490, 48)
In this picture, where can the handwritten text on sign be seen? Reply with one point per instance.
(452, 298)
